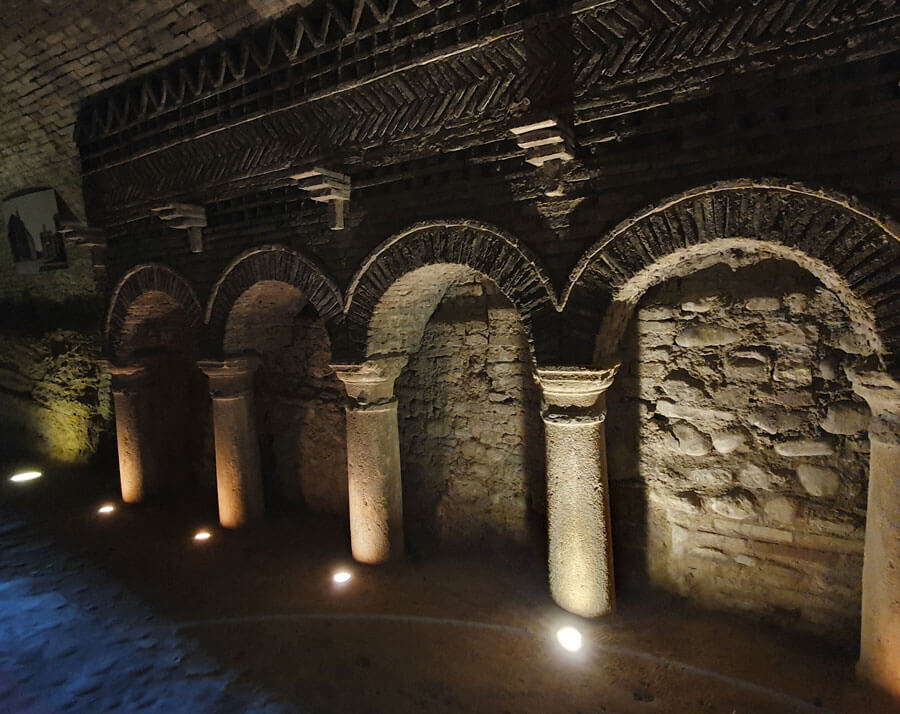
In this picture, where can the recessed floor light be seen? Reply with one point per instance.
(106, 509)
(569, 638)
(341, 576)
(24, 476)
(202, 535)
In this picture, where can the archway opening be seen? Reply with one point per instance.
(468, 410)
(298, 399)
(158, 332)
(738, 452)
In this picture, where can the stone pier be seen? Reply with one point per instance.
(373, 459)
(238, 477)
(580, 548)
(879, 657)
(134, 432)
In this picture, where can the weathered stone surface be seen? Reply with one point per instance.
(763, 304)
(727, 442)
(691, 441)
(706, 336)
(737, 505)
(701, 305)
(805, 447)
(774, 420)
(698, 415)
(757, 477)
(819, 480)
(846, 418)
(781, 510)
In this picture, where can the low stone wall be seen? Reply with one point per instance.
(54, 399)
(738, 451)
(470, 432)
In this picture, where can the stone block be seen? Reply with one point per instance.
(691, 441)
(737, 505)
(701, 305)
(727, 442)
(781, 510)
(758, 478)
(805, 447)
(711, 478)
(774, 420)
(706, 336)
(763, 304)
(846, 417)
(698, 415)
(791, 372)
(818, 480)
(748, 365)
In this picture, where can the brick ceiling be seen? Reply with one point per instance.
(55, 53)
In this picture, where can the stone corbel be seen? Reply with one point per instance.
(92, 238)
(329, 187)
(187, 217)
(545, 141)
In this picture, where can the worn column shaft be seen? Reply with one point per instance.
(130, 388)
(238, 477)
(879, 657)
(580, 545)
(373, 460)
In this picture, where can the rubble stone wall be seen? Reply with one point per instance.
(470, 432)
(737, 450)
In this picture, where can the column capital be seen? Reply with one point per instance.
(231, 377)
(882, 393)
(127, 377)
(371, 382)
(575, 393)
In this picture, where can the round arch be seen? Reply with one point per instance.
(457, 245)
(138, 292)
(270, 263)
(848, 247)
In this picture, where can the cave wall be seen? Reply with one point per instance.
(738, 452)
(470, 434)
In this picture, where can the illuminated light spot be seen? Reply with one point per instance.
(106, 508)
(569, 638)
(202, 535)
(341, 576)
(24, 476)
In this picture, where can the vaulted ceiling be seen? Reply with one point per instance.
(54, 53)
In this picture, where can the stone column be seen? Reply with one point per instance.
(580, 551)
(373, 459)
(879, 657)
(131, 385)
(238, 477)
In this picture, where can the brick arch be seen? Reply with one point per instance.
(460, 243)
(850, 248)
(147, 284)
(270, 263)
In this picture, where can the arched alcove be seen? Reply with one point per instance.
(271, 302)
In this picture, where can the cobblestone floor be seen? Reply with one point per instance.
(126, 613)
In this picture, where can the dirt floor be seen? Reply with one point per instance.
(125, 612)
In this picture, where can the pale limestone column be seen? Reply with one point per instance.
(131, 385)
(580, 549)
(373, 459)
(238, 477)
(879, 657)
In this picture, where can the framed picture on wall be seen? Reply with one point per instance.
(31, 219)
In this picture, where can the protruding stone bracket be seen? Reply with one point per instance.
(575, 393)
(81, 235)
(329, 187)
(371, 382)
(187, 217)
(545, 141)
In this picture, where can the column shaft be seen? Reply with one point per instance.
(238, 476)
(373, 459)
(578, 518)
(580, 552)
(373, 470)
(130, 390)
